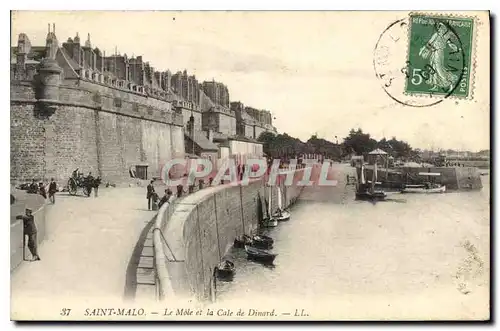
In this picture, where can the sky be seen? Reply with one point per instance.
(313, 70)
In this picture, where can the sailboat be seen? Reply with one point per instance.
(281, 215)
(367, 191)
(270, 221)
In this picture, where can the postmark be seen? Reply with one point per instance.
(422, 60)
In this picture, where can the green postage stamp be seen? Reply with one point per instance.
(440, 55)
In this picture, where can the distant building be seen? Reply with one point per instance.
(141, 115)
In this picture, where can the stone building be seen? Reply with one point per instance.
(217, 92)
(186, 86)
(73, 106)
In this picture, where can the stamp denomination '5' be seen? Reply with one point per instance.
(440, 56)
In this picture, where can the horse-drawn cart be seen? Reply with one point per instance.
(76, 182)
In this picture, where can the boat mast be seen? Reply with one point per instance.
(387, 167)
(374, 177)
(270, 200)
(280, 203)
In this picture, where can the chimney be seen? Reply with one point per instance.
(191, 126)
(210, 135)
(191, 132)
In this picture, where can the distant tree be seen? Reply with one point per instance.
(267, 138)
(358, 142)
(400, 149)
(280, 145)
(324, 147)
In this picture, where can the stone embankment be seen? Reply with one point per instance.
(193, 234)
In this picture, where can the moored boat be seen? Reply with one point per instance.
(225, 269)
(439, 189)
(282, 215)
(241, 241)
(366, 191)
(428, 187)
(263, 242)
(371, 196)
(269, 222)
(259, 255)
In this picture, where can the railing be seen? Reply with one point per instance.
(162, 279)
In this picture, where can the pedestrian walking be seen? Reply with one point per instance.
(30, 231)
(52, 191)
(97, 182)
(149, 194)
(89, 183)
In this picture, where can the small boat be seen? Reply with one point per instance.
(367, 191)
(269, 222)
(241, 241)
(225, 269)
(259, 254)
(428, 187)
(262, 242)
(437, 189)
(281, 215)
(371, 196)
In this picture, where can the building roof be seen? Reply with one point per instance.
(205, 102)
(220, 136)
(245, 139)
(202, 141)
(247, 118)
(377, 151)
(72, 63)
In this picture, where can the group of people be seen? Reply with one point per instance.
(43, 189)
(154, 201)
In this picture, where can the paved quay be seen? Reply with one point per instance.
(87, 250)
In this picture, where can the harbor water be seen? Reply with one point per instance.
(413, 256)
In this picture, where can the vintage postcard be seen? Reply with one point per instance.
(256, 166)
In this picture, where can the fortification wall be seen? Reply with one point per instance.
(94, 128)
(186, 114)
(51, 147)
(249, 131)
(227, 124)
(208, 222)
